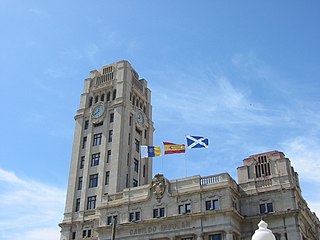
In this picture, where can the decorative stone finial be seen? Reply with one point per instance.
(263, 233)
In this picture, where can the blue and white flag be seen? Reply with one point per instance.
(197, 142)
(150, 151)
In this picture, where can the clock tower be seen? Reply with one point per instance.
(114, 119)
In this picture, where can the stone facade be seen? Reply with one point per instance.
(105, 203)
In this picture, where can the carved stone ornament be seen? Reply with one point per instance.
(158, 186)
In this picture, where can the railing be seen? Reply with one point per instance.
(104, 78)
(263, 183)
(210, 180)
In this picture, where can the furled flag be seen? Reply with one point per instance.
(197, 142)
(170, 148)
(150, 151)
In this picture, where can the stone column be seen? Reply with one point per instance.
(283, 236)
(229, 236)
(200, 236)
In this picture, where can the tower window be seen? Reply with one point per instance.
(95, 159)
(80, 183)
(215, 237)
(108, 156)
(107, 178)
(266, 208)
(144, 171)
(102, 97)
(158, 212)
(137, 143)
(93, 180)
(96, 99)
(262, 167)
(84, 141)
(110, 219)
(90, 101)
(82, 162)
(134, 216)
(110, 135)
(111, 117)
(212, 204)
(86, 124)
(77, 208)
(135, 183)
(114, 93)
(91, 202)
(185, 208)
(136, 165)
(97, 139)
(73, 235)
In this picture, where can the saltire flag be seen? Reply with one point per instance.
(170, 148)
(197, 142)
(150, 151)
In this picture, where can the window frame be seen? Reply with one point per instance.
(91, 203)
(97, 138)
(95, 159)
(93, 180)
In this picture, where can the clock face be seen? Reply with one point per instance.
(139, 118)
(98, 111)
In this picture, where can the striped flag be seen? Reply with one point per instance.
(171, 148)
(150, 151)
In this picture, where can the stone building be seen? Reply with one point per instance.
(111, 190)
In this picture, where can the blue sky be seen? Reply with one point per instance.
(245, 74)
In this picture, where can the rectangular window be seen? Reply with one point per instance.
(136, 165)
(110, 219)
(212, 204)
(95, 159)
(215, 237)
(266, 208)
(185, 208)
(144, 171)
(82, 162)
(84, 233)
(97, 139)
(80, 183)
(111, 117)
(93, 180)
(158, 212)
(108, 156)
(110, 135)
(89, 233)
(130, 121)
(134, 216)
(107, 178)
(86, 124)
(129, 139)
(137, 143)
(77, 207)
(91, 204)
(145, 133)
(84, 141)
(135, 183)
(73, 235)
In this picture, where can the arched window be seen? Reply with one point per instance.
(133, 100)
(90, 101)
(102, 97)
(96, 99)
(108, 96)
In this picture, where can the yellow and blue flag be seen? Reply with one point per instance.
(150, 151)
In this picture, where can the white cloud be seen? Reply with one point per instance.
(304, 153)
(29, 208)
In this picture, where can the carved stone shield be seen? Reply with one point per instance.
(158, 186)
